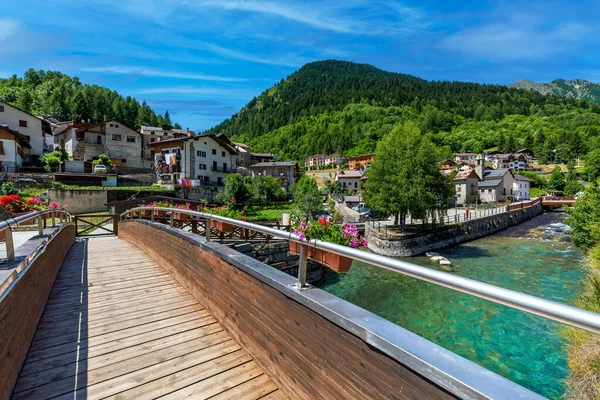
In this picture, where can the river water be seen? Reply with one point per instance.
(532, 258)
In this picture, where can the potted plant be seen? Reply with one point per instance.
(179, 215)
(324, 230)
(223, 211)
(162, 204)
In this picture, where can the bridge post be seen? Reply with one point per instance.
(302, 262)
(116, 224)
(207, 229)
(53, 218)
(171, 220)
(152, 216)
(40, 225)
(10, 244)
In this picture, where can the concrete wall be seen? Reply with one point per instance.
(348, 214)
(80, 201)
(450, 235)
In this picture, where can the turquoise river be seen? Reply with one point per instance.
(524, 348)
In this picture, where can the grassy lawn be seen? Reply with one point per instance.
(268, 213)
(536, 192)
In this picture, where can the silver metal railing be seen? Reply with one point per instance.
(6, 226)
(552, 310)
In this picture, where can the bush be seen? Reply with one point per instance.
(9, 188)
(103, 159)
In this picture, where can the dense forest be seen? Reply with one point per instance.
(64, 97)
(332, 106)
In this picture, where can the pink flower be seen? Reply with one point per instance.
(244, 219)
(232, 201)
(54, 205)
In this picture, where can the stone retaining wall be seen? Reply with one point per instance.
(348, 214)
(277, 255)
(449, 236)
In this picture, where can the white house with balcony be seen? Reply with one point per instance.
(522, 188)
(12, 148)
(350, 180)
(26, 124)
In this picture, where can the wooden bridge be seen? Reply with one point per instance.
(558, 201)
(159, 312)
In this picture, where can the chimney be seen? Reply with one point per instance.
(190, 134)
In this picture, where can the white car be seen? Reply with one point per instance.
(99, 169)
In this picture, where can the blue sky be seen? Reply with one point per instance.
(204, 59)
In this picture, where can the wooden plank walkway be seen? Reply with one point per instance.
(118, 326)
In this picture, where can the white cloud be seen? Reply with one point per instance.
(515, 39)
(125, 70)
(188, 90)
(8, 27)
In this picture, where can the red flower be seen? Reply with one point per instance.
(243, 218)
(232, 201)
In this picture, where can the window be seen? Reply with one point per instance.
(355, 184)
(116, 138)
(152, 140)
(202, 167)
(166, 134)
(23, 124)
(219, 180)
(124, 160)
(224, 167)
(1, 108)
(116, 125)
(206, 179)
(201, 153)
(130, 139)
(214, 151)
(98, 139)
(222, 154)
(111, 125)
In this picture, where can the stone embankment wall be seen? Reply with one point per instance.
(89, 201)
(451, 235)
(277, 255)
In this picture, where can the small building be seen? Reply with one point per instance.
(516, 162)
(350, 180)
(352, 201)
(491, 191)
(151, 134)
(522, 188)
(86, 141)
(242, 157)
(360, 162)
(12, 147)
(27, 125)
(448, 164)
(256, 158)
(507, 178)
(465, 157)
(287, 171)
(466, 183)
(316, 160)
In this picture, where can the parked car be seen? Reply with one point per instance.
(99, 169)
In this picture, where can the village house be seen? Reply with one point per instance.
(350, 180)
(491, 191)
(465, 157)
(256, 158)
(466, 183)
(516, 162)
(287, 171)
(27, 125)
(86, 141)
(193, 161)
(242, 158)
(318, 160)
(506, 177)
(12, 147)
(448, 165)
(360, 162)
(522, 188)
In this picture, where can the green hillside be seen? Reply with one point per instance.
(331, 106)
(54, 93)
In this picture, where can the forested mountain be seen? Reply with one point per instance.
(576, 89)
(331, 106)
(66, 98)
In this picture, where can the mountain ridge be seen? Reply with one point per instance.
(580, 89)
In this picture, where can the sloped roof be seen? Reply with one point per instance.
(462, 175)
(349, 175)
(490, 183)
(523, 178)
(496, 173)
(275, 164)
(18, 136)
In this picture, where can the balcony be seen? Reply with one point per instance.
(226, 170)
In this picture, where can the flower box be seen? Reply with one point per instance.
(159, 213)
(145, 212)
(221, 226)
(178, 215)
(335, 262)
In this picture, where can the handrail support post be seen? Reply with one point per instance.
(302, 267)
(207, 230)
(40, 222)
(10, 245)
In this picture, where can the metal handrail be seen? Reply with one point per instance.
(7, 224)
(552, 310)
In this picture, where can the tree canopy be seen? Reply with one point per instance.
(404, 178)
(64, 97)
(308, 201)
